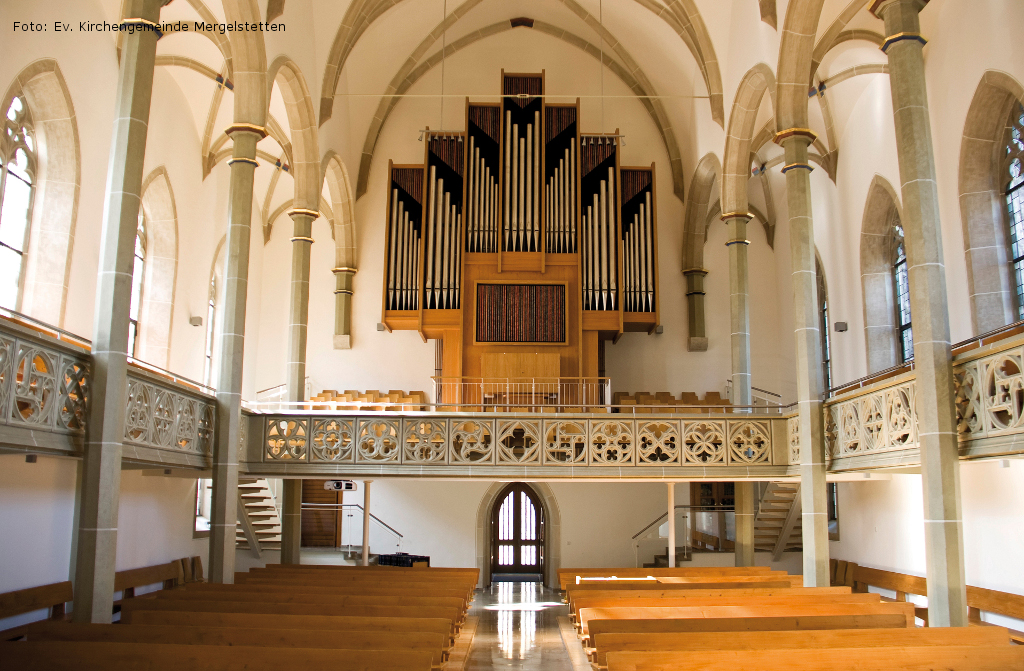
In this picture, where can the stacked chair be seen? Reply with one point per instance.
(395, 400)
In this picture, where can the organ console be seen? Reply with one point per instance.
(521, 235)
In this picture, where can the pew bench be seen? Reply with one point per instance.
(359, 590)
(101, 656)
(51, 598)
(333, 639)
(815, 639)
(905, 658)
(673, 591)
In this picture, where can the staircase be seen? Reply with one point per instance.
(259, 525)
(777, 525)
(661, 561)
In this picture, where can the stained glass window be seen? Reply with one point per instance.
(138, 277)
(826, 341)
(901, 285)
(1015, 201)
(17, 168)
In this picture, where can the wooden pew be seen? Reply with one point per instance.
(336, 639)
(672, 591)
(455, 604)
(58, 655)
(905, 658)
(709, 612)
(755, 623)
(820, 639)
(135, 605)
(51, 598)
(270, 621)
(725, 600)
(790, 580)
(168, 576)
(363, 590)
(569, 575)
(329, 582)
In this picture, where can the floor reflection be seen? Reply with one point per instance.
(518, 629)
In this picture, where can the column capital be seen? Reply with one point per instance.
(344, 269)
(877, 7)
(805, 134)
(242, 127)
(303, 212)
(696, 271)
(726, 216)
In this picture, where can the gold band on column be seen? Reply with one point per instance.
(343, 269)
(250, 161)
(736, 215)
(301, 210)
(144, 22)
(248, 127)
(794, 166)
(344, 291)
(737, 241)
(302, 238)
(695, 271)
(795, 132)
(900, 37)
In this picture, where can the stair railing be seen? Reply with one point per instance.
(690, 526)
(351, 530)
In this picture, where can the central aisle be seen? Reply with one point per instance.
(518, 629)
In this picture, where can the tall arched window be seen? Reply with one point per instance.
(17, 168)
(826, 341)
(901, 286)
(1015, 200)
(211, 311)
(138, 277)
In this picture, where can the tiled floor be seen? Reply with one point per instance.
(518, 629)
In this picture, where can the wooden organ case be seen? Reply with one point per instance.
(521, 243)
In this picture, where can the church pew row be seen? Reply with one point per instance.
(451, 614)
(725, 600)
(606, 643)
(568, 576)
(306, 579)
(101, 656)
(586, 615)
(659, 590)
(356, 590)
(906, 658)
(335, 639)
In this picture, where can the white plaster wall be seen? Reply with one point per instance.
(881, 525)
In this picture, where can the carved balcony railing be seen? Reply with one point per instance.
(45, 384)
(875, 425)
(492, 444)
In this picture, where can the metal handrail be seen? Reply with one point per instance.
(698, 509)
(334, 407)
(354, 505)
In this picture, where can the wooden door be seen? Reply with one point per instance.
(517, 531)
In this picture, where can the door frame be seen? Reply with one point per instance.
(529, 492)
(552, 531)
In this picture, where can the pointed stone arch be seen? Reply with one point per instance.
(707, 173)
(982, 203)
(57, 185)
(552, 537)
(305, 169)
(345, 258)
(876, 274)
(156, 314)
(250, 64)
(796, 52)
(742, 124)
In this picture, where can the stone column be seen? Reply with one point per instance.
(366, 522)
(96, 553)
(698, 340)
(291, 522)
(739, 306)
(671, 524)
(809, 381)
(745, 508)
(343, 277)
(933, 363)
(229, 342)
(302, 240)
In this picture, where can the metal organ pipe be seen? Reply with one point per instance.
(508, 175)
(428, 250)
(611, 232)
(535, 180)
(528, 190)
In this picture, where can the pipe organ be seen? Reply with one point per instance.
(521, 205)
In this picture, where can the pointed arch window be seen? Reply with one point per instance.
(1014, 168)
(826, 341)
(17, 170)
(211, 312)
(138, 279)
(901, 286)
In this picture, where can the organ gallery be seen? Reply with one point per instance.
(521, 235)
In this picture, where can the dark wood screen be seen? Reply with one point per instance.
(520, 313)
(320, 526)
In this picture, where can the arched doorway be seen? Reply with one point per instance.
(517, 534)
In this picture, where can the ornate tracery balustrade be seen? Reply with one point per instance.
(877, 426)
(492, 444)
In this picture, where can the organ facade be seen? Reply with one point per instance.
(521, 244)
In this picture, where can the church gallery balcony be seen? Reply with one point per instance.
(556, 429)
